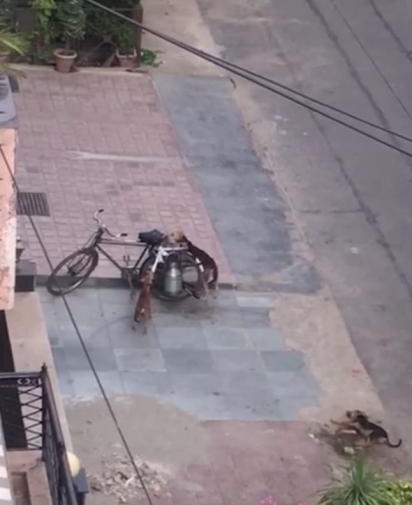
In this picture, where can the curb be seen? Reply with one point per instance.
(114, 282)
(252, 288)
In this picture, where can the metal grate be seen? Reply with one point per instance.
(21, 405)
(32, 204)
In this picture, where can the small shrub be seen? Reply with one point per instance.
(360, 486)
(400, 492)
(71, 20)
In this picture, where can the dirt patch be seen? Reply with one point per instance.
(118, 478)
(314, 326)
(186, 460)
(156, 431)
(161, 438)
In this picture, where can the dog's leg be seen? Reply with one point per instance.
(144, 319)
(136, 314)
(344, 426)
(148, 306)
(203, 284)
(215, 288)
(143, 308)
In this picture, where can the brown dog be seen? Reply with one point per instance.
(211, 271)
(210, 274)
(143, 309)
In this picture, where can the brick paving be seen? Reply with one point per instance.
(92, 140)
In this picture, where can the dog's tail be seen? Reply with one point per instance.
(394, 445)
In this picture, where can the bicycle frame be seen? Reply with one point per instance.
(163, 253)
(97, 240)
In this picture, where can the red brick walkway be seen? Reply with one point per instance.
(92, 140)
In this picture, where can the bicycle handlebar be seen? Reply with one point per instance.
(104, 227)
(96, 218)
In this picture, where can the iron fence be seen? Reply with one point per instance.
(30, 422)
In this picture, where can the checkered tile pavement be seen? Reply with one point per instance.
(224, 361)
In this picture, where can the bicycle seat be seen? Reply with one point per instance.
(152, 237)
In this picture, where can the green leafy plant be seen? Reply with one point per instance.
(124, 38)
(400, 492)
(71, 21)
(45, 29)
(7, 9)
(360, 486)
(10, 43)
(44, 10)
(102, 23)
(149, 57)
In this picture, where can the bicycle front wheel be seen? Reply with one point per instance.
(72, 272)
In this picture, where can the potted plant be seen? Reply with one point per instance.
(126, 52)
(10, 42)
(71, 21)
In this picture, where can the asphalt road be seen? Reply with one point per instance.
(352, 196)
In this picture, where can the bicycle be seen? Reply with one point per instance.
(157, 255)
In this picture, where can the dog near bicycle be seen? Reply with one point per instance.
(170, 266)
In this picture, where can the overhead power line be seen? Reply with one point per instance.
(81, 340)
(256, 78)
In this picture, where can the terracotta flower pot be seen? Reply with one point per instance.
(127, 60)
(64, 60)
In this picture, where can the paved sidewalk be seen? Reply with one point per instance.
(215, 395)
(221, 398)
(194, 356)
(94, 139)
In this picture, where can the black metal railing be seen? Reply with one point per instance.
(30, 422)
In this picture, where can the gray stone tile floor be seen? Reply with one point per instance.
(215, 360)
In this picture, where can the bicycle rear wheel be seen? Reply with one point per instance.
(72, 272)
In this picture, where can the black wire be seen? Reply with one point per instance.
(309, 107)
(242, 72)
(371, 59)
(79, 335)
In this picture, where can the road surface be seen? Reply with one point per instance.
(351, 196)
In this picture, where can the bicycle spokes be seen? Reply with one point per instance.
(78, 266)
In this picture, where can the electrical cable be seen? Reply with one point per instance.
(251, 77)
(370, 58)
(81, 340)
(242, 72)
